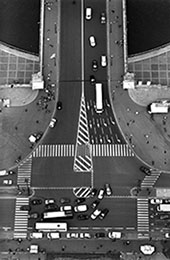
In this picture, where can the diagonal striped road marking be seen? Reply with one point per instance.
(83, 156)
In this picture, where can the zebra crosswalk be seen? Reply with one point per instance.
(82, 192)
(111, 150)
(142, 218)
(54, 150)
(83, 158)
(150, 180)
(21, 218)
(24, 172)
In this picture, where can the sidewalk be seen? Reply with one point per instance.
(148, 136)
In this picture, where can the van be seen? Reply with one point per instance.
(54, 235)
(88, 14)
(36, 235)
(3, 173)
(81, 208)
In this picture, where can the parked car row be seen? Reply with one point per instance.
(82, 235)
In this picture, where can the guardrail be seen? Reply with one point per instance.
(41, 36)
(125, 52)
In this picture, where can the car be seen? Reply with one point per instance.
(167, 235)
(25, 207)
(92, 41)
(103, 61)
(94, 65)
(49, 201)
(164, 216)
(74, 235)
(36, 201)
(93, 192)
(79, 200)
(114, 234)
(100, 235)
(68, 235)
(92, 80)
(36, 235)
(11, 172)
(85, 235)
(156, 201)
(145, 169)
(81, 208)
(66, 208)
(95, 214)
(101, 193)
(53, 235)
(53, 122)
(51, 207)
(103, 213)
(166, 201)
(7, 182)
(59, 105)
(88, 13)
(103, 18)
(33, 215)
(108, 189)
(94, 204)
(83, 217)
(65, 200)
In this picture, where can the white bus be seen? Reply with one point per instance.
(49, 226)
(99, 98)
(58, 214)
(163, 207)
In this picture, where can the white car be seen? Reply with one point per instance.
(74, 235)
(92, 41)
(49, 201)
(66, 208)
(114, 234)
(103, 18)
(108, 189)
(52, 122)
(54, 235)
(95, 214)
(101, 194)
(156, 201)
(81, 208)
(88, 13)
(85, 235)
(103, 61)
(167, 235)
(7, 182)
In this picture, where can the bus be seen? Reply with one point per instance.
(163, 207)
(99, 98)
(49, 226)
(57, 214)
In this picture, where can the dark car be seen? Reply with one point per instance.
(103, 18)
(33, 215)
(100, 235)
(103, 213)
(94, 65)
(36, 201)
(82, 217)
(95, 204)
(164, 217)
(145, 169)
(92, 80)
(93, 192)
(11, 172)
(79, 200)
(25, 207)
(59, 105)
(65, 200)
(51, 207)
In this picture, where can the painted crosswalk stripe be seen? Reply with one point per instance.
(109, 150)
(142, 218)
(150, 180)
(21, 218)
(51, 150)
(24, 172)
